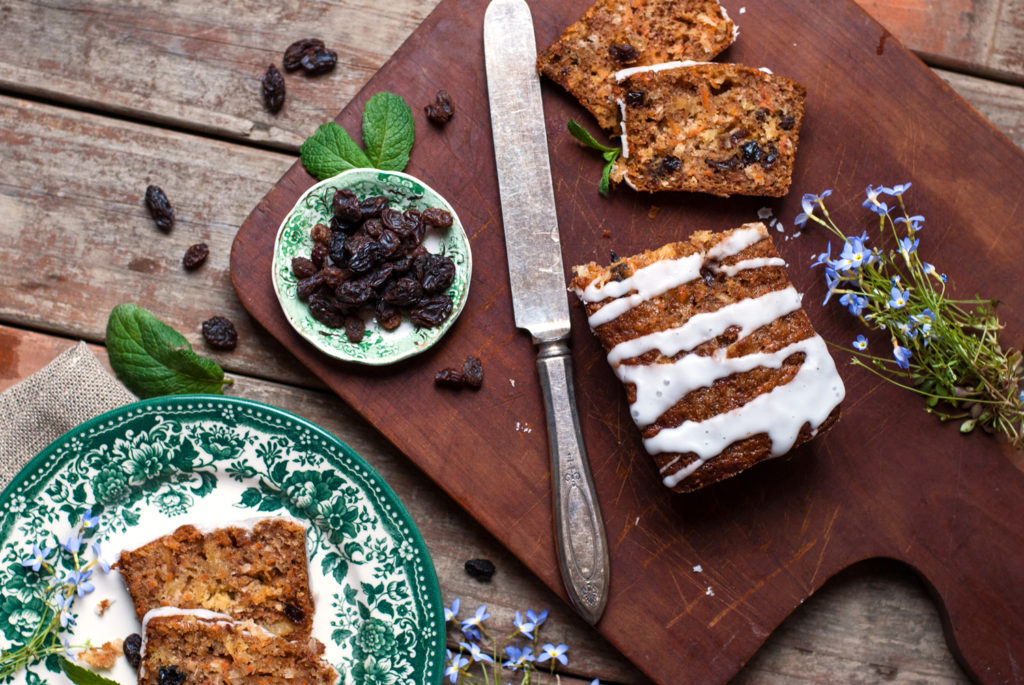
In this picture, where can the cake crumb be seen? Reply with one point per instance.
(512, 382)
(103, 657)
(637, 522)
(710, 592)
(743, 10)
(764, 213)
(653, 212)
(698, 569)
(606, 233)
(103, 605)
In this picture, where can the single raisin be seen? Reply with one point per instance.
(333, 276)
(354, 292)
(303, 268)
(473, 370)
(401, 264)
(671, 165)
(294, 53)
(374, 227)
(321, 233)
(736, 136)
(355, 328)
(220, 333)
(132, 648)
(390, 243)
(372, 206)
(452, 378)
(160, 208)
(480, 569)
(729, 164)
(367, 256)
(771, 155)
(273, 89)
(393, 219)
(345, 206)
(441, 110)
(319, 61)
(437, 217)
(319, 255)
(170, 675)
(323, 310)
(195, 256)
(761, 115)
(708, 274)
(377, 278)
(436, 272)
(623, 53)
(307, 286)
(336, 248)
(405, 292)
(294, 613)
(431, 311)
(636, 98)
(751, 152)
(388, 315)
(787, 122)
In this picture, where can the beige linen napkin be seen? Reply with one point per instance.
(73, 388)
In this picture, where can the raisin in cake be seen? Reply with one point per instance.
(196, 646)
(613, 34)
(721, 365)
(256, 570)
(725, 129)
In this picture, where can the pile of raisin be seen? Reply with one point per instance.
(371, 260)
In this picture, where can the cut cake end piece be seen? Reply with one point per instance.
(613, 34)
(721, 365)
(724, 129)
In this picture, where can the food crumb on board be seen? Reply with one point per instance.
(512, 382)
(637, 522)
(103, 657)
(606, 233)
(653, 211)
(103, 605)
(698, 568)
(710, 592)
(523, 427)
(743, 10)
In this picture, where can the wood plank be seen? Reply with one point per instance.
(1008, 42)
(873, 622)
(77, 238)
(887, 481)
(1000, 103)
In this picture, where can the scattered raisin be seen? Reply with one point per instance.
(170, 675)
(431, 311)
(319, 62)
(303, 268)
(355, 328)
(160, 208)
(473, 370)
(480, 569)
(133, 649)
(294, 613)
(787, 122)
(321, 233)
(195, 256)
(388, 316)
(437, 217)
(450, 377)
(761, 115)
(623, 53)
(708, 274)
(273, 89)
(441, 110)
(436, 272)
(636, 98)
(751, 152)
(670, 165)
(736, 136)
(220, 333)
(311, 55)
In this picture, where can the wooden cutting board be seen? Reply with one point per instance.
(699, 581)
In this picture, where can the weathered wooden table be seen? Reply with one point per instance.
(100, 98)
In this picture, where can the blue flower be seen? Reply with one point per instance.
(898, 298)
(929, 270)
(832, 281)
(861, 343)
(63, 604)
(915, 222)
(907, 245)
(38, 557)
(853, 256)
(79, 581)
(517, 658)
(906, 329)
(822, 258)
(526, 628)
(67, 648)
(1020, 396)
(896, 190)
(471, 625)
(537, 619)
(550, 651)
(450, 614)
(808, 203)
(73, 543)
(902, 356)
(594, 682)
(475, 652)
(855, 303)
(456, 666)
(873, 202)
(104, 564)
(90, 521)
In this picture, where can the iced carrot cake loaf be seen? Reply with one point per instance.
(200, 647)
(721, 365)
(254, 570)
(725, 129)
(613, 34)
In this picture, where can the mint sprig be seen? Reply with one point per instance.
(610, 154)
(153, 359)
(83, 676)
(388, 135)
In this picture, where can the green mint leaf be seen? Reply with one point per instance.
(83, 676)
(388, 131)
(153, 359)
(605, 184)
(331, 150)
(583, 135)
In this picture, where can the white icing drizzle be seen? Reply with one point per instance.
(623, 74)
(808, 398)
(731, 270)
(622, 125)
(663, 275)
(158, 612)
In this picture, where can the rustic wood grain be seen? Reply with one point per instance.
(886, 482)
(873, 622)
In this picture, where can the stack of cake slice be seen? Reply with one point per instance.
(641, 68)
(234, 601)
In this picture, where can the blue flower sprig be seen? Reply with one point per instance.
(942, 348)
(70, 564)
(481, 658)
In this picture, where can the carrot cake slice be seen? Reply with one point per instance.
(196, 646)
(725, 129)
(255, 570)
(721, 366)
(613, 34)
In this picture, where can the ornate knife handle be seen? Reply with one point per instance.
(579, 529)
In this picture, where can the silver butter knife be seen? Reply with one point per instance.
(539, 293)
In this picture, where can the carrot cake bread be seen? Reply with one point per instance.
(721, 365)
(200, 647)
(254, 570)
(613, 34)
(725, 129)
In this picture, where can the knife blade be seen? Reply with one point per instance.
(539, 298)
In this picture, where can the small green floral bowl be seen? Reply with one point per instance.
(378, 346)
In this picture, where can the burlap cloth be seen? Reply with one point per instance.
(73, 388)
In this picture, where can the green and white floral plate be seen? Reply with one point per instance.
(150, 467)
(293, 240)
